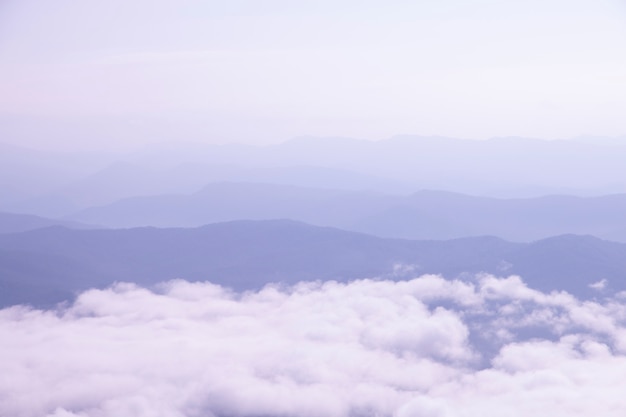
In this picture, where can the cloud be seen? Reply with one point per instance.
(599, 285)
(421, 347)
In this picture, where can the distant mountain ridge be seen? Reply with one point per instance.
(49, 265)
(422, 215)
(15, 223)
(498, 166)
(54, 184)
(126, 180)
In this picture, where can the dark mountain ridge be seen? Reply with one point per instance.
(49, 265)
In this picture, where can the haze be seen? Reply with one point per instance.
(114, 74)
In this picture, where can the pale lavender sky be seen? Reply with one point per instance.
(262, 72)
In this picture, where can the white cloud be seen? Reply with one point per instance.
(423, 347)
(599, 285)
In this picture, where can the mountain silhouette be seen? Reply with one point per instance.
(49, 265)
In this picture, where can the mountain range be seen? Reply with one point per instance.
(59, 183)
(313, 209)
(50, 265)
(15, 222)
(421, 215)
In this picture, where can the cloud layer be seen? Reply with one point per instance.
(426, 347)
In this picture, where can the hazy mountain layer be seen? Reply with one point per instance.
(48, 265)
(423, 215)
(55, 184)
(14, 223)
(125, 180)
(509, 166)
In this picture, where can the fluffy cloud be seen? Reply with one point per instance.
(422, 347)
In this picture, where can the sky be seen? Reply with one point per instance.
(365, 348)
(94, 75)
